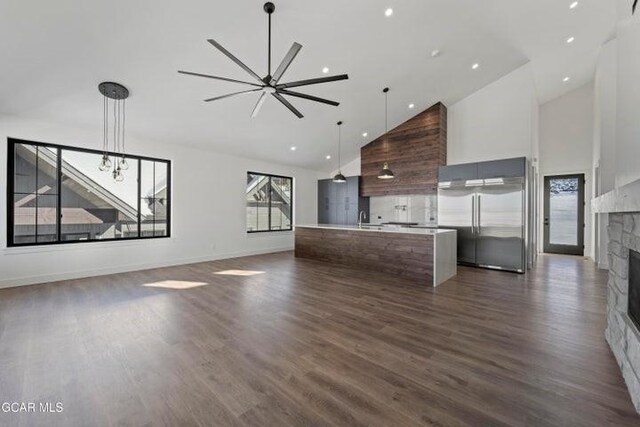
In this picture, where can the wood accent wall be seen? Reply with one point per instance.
(414, 151)
(402, 254)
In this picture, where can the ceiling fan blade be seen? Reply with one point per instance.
(312, 81)
(288, 59)
(234, 59)
(309, 97)
(232, 94)
(217, 78)
(258, 106)
(287, 104)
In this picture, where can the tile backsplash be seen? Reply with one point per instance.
(420, 209)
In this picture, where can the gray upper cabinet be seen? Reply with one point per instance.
(462, 172)
(507, 168)
(340, 203)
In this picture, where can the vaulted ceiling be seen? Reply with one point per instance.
(54, 53)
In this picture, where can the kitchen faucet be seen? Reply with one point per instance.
(360, 217)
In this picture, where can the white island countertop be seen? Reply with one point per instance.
(378, 228)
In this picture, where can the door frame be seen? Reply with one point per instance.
(565, 249)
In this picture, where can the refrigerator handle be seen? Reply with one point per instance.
(478, 226)
(473, 214)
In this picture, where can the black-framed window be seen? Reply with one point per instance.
(269, 202)
(57, 194)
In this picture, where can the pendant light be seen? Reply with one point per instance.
(118, 93)
(386, 173)
(339, 178)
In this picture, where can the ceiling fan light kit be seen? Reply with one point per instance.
(270, 84)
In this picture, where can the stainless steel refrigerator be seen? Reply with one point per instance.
(490, 216)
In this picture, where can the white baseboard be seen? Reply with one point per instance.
(47, 278)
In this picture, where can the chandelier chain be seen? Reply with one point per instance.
(124, 117)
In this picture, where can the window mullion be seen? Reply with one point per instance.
(35, 232)
(139, 198)
(59, 196)
(153, 199)
(270, 200)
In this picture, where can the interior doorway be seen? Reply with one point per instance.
(564, 214)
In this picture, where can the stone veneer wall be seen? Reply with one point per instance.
(623, 337)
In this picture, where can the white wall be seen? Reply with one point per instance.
(628, 102)
(208, 212)
(617, 106)
(566, 132)
(566, 144)
(604, 142)
(605, 105)
(350, 169)
(498, 121)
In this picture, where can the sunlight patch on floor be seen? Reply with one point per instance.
(175, 284)
(239, 272)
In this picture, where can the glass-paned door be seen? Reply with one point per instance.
(564, 214)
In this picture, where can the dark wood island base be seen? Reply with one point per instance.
(404, 254)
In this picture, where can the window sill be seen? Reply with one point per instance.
(269, 233)
(94, 245)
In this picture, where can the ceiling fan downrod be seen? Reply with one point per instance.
(269, 8)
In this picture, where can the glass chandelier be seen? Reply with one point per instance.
(118, 93)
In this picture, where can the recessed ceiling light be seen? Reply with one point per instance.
(574, 5)
(388, 12)
(364, 134)
(293, 148)
(435, 53)
(571, 39)
(325, 70)
(328, 157)
(475, 66)
(566, 79)
(411, 106)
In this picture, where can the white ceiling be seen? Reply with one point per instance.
(54, 53)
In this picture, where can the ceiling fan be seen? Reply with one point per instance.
(270, 84)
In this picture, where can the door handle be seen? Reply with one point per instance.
(479, 226)
(473, 214)
(546, 221)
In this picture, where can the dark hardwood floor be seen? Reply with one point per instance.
(274, 341)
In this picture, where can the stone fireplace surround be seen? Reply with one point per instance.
(623, 209)
(621, 334)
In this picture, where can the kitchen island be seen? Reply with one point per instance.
(423, 254)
